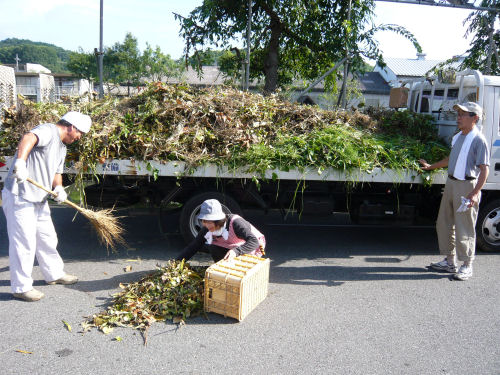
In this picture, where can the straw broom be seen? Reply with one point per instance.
(107, 226)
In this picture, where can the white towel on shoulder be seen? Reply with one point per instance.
(459, 172)
(209, 237)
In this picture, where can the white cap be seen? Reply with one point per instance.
(78, 120)
(470, 107)
(211, 210)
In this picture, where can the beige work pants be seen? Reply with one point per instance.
(456, 231)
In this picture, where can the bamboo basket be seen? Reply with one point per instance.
(234, 288)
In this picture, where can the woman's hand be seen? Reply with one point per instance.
(230, 255)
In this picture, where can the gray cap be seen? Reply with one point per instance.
(211, 210)
(470, 107)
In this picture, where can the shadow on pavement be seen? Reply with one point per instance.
(337, 275)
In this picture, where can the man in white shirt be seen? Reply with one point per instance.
(40, 155)
(468, 169)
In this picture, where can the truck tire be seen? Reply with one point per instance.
(189, 226)
(488, 227)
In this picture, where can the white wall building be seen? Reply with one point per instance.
(37, 83)
(39, 87)
(7, 87)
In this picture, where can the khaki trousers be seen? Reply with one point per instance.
(456, 231)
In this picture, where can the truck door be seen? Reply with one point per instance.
(495, 138)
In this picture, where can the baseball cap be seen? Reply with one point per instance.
(211, 209)
(78, 120)
(470, 107)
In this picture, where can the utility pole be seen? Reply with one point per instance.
(346, 63)
(249, 30)
(491, 47)
(100, 56)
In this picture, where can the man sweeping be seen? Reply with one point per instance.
(40, 155)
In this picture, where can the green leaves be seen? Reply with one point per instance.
(483, 51)
(228, 127)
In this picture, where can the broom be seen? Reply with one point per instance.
(106, 225)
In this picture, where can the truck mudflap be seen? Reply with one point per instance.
(4, 169)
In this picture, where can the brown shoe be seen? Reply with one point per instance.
(30, 296)
(67, 279)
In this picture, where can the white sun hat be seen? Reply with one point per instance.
(78, 120)
(211, 210)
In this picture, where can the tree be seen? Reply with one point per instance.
(290, 38)
(230, 63)
(157, 66)
(83, 65)
(483, 51)
(48, 55)
(123, 62)
(205, 58)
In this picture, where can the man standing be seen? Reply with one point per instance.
(468, 168)
(40, 155)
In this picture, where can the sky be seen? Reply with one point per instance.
(74, 24)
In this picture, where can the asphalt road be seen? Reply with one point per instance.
(342, 300)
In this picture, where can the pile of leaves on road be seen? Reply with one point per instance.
(173, 291)
(226, 126)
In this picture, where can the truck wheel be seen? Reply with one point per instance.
(488, 227)
(189, 225)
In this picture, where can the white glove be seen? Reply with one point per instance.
(61, 194)
(20, 171)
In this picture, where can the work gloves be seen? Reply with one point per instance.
(61, 194)
(20, 171)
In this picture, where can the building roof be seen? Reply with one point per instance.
(211, 75)
(410, 67)
(29, 68)
(368, 83)
(373, 83)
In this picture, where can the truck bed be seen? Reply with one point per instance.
(178, 169)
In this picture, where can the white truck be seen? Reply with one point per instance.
(381, 197)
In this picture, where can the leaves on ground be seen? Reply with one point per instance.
(23, 351)
(174, 291)
(68, 326)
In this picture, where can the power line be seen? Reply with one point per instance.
(455, 4)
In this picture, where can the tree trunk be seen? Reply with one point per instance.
(271, 62)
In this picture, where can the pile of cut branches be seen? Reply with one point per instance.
(174, 291)
(226, 126)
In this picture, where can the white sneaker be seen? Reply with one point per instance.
(67, 279)
(30, 296)
(444, 266)
(464, 273)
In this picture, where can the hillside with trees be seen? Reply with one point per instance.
(48, 55)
